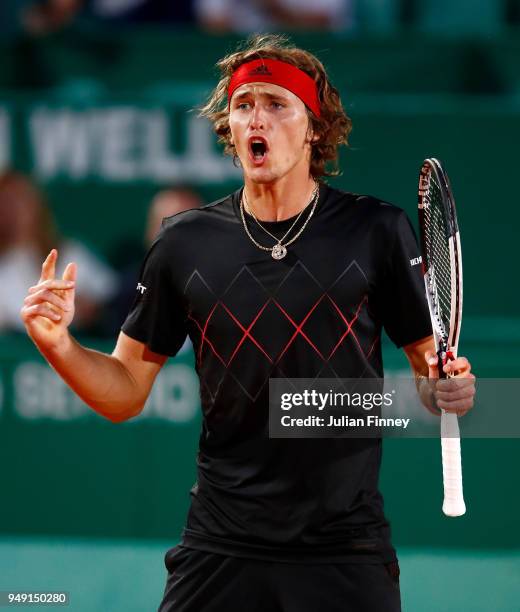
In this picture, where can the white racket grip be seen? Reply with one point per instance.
(451, 466)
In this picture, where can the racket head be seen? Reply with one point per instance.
(441, 254)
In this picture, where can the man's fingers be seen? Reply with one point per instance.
(450, 396)
(455, 383)
(458, 407)
(460, 366)
(49, 266)
(52, 284)
(41, 310)
(46, 295)
(70, 272)
(456, 395)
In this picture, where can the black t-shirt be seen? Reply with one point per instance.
(317, 312)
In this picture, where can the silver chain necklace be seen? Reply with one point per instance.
(279, 250)
(250, 210)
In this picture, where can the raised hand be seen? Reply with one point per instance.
(48, 309)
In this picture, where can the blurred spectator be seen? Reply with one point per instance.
(46, 16)
(166, 203)
(263, 15)
(143, 11)
(27, 234)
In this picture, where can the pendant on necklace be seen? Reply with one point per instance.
(278, 251)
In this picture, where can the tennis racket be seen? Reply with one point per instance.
(442, 268)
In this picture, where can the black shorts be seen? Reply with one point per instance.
(207, 582)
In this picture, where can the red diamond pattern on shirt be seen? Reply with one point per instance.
(252, 340)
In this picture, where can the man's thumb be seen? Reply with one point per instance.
(432, 361)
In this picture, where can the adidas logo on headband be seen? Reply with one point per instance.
(262, 69)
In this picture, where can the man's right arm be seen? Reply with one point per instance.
(116, 386)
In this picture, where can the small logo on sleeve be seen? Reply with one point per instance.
(415, 261)
(141, 288)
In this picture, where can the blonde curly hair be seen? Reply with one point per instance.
(332, 128)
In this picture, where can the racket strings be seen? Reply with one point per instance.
(438, 254)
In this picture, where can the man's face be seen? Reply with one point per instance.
(269, 128)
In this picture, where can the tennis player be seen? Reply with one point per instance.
(286, 277)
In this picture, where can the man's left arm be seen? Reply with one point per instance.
(454, 394)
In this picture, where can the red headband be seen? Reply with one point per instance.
(278, 73)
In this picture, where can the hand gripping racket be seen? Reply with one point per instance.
(442, 268)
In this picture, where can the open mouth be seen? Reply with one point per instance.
(257, 149)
